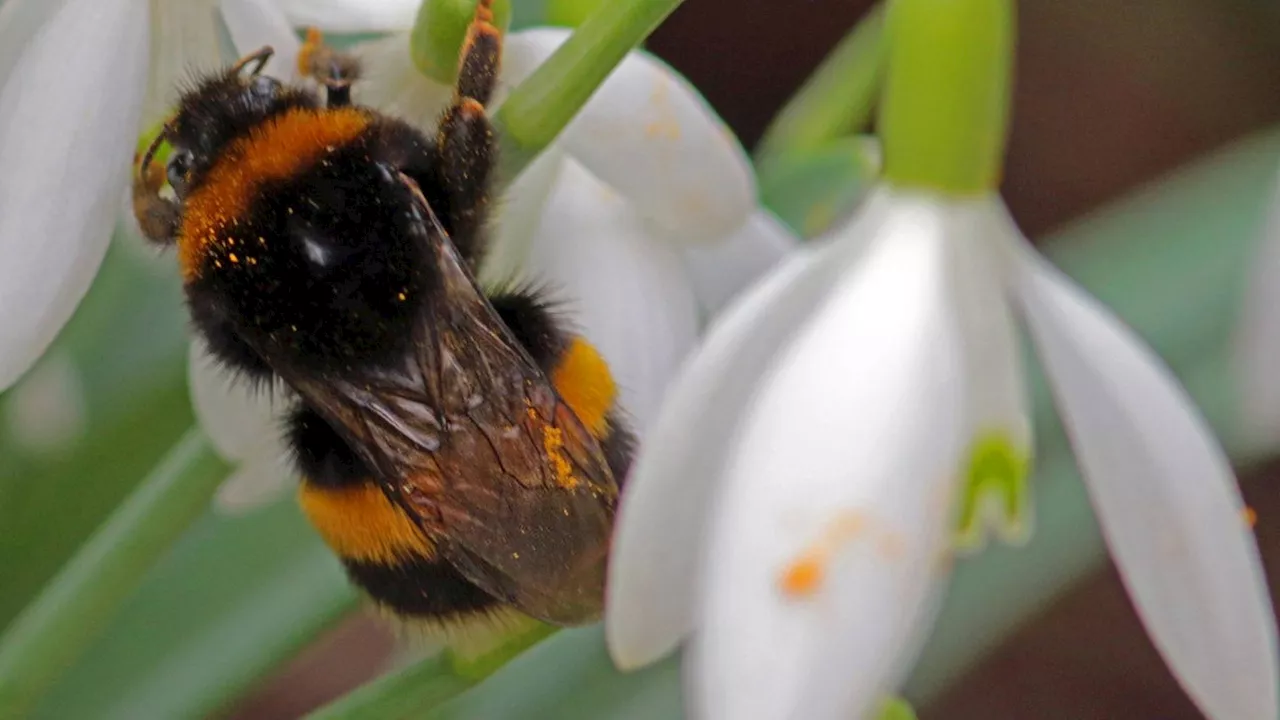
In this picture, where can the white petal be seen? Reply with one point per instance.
(1257, 337)
(262, 477)
(184, 41)
(626, 290)
(833, 528)
(20, 20)
(999, 406)
(519, 213)
(60, 176)
(234, 415)
(660, 522)
(390, 83)
(1165, 496)
(352, 16)
(254, 23)
(722, 270)
(649, 134)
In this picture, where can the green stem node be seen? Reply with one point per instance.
(945, 110)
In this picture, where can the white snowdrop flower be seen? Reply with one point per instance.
(797, 503)
(640, 221)
(79, 79)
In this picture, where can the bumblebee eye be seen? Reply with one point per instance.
(179, 167)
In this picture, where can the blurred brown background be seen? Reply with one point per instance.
(1110, 93)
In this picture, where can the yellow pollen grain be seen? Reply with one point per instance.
(232, 257)
(553, 444)
(1250, 516)
(401, 297)
(276, 150)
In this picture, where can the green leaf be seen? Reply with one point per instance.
(235, 599)
(810, 190)
(73, 608)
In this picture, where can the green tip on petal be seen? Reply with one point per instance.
(148, 137)
(996, 493)
(439, 30)
(944, 114)
(896, 708)
(570, 13)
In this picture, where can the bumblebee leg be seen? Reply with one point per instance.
(579, 374)
(335, 70)
(157, 216)
(465, 140)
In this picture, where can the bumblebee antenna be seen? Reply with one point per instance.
(152, 149)
(260, 56)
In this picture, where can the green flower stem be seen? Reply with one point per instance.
(540, 107)
(570, 13)
(438, 32)
(836, 100)
(421, 687)
(402, 694)
(945, 109)
(77, 604)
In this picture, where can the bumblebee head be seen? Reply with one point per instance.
(216, 110)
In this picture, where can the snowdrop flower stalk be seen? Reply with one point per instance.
(63, 178)
(640, 218)
(861, 414)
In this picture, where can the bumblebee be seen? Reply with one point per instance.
(460, 450)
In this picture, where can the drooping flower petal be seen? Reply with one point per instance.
(255, 23)
(624, 289)
(833, 528)
(20, 22)
(352, 16)
(61, 176)
(391, 83)
(649, 603)
(234, 415)
(1257, 337)
(651, 136)
(1165, 496)
(184, 41)
(996, 491)
(518, 214)
(262, 476)
(722, 270)
(243, 424)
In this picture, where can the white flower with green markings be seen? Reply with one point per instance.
(63, 178)
(861, 413)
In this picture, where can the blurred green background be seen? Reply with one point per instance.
(250, 617)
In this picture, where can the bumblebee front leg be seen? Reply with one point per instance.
(157, 216)
(335, 70)
(465, 140)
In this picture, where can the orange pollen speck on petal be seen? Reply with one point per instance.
(1250, 516)
(803, 577)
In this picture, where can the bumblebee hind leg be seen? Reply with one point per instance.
(465, 140)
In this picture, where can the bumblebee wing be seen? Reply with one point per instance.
(471, 439)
